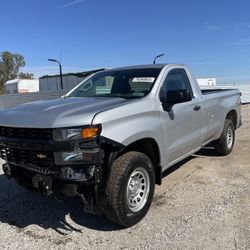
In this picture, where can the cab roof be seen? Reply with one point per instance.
(149, 66)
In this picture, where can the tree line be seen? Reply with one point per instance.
(10, 65)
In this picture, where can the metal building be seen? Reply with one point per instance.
(70, 80)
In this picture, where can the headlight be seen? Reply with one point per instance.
(65, 134)
(77, 157)
(76, 133)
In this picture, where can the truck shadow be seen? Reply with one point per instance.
(204, 152)
(176, 166)
(20, 207)
(208, 151)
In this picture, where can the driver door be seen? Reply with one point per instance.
(182, 124)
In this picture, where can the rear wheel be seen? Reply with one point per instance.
(130, 188)
(225, 144)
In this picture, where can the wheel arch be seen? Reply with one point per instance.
(232, 115)
(149, 147)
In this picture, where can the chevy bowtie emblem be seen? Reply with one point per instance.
(41, 156)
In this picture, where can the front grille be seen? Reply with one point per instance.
(26, 133)
(27, 157)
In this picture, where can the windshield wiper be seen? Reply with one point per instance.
(118, 96)
(108, 95)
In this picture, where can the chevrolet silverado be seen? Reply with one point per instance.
(109, 139)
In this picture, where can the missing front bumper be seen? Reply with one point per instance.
(89, 190)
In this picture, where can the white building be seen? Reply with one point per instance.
(207, 81)
(22, 86)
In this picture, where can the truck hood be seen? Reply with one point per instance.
(65, 112)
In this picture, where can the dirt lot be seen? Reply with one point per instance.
(203, 203)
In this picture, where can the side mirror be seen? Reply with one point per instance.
(175, 96)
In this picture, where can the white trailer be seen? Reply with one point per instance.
(22, 86)
(206, 81)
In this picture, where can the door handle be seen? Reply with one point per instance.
(197, 107)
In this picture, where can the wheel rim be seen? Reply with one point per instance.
(138, 189)
(229, 136)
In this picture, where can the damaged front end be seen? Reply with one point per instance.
(69, 162)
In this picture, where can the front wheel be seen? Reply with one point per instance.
(130, 188)
(225, 144)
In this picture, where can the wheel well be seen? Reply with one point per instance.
(149, 147)
(232, 115)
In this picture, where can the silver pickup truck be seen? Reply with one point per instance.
(108, 141)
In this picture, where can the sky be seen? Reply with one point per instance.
(211, 36)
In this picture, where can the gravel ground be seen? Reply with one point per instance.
(203, 203)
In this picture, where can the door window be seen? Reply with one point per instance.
(176, 79)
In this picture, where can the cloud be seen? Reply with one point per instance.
(70, 4)
(210, 26)
(243, 42)
(227, 27)
(213, 27)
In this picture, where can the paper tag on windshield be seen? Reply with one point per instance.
(144, 79)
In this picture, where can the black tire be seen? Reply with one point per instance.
(125, 171)
(225, 144)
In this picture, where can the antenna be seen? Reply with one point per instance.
(158, 57)
(60, 56)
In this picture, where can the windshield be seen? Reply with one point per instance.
(129, 83)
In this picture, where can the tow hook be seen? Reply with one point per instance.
(43, 184)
